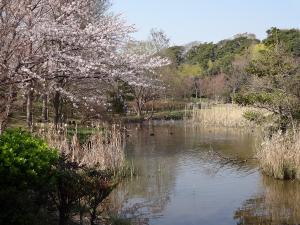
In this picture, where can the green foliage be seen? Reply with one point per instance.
(31, 172)
(254, 116)
(201, 54)
(175, 54)
(117, 97)
(290, 38)
(257, 49)
(27, 176)
(254, 98)
(273, 63)
(117, 104)
(217, 58)
(24, 160)
(190, 70)
(235, 46)
(275, 85)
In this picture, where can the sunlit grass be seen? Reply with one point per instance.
(221, 115)
(279, 156)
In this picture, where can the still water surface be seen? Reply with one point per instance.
(186, 178)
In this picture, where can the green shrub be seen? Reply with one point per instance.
(254, 116)
(27, 176)
(24, 160)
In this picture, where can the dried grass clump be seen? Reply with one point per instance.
(225, 115)
(279, 156)
(103, 149)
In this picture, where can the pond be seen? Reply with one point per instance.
(191, 176)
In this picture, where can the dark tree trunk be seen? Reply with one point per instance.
(29, 114)
(56, 105)
(5, 106)
(45, 108)
(63, 217)
(81, 216)
(93, 216)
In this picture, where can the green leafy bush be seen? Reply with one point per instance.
(27, 176)
(24, 160)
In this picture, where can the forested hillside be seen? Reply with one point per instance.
(219, 70)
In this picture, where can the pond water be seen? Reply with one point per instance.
(193, 176)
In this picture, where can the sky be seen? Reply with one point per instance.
(185, 21)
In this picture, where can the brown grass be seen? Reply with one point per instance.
(103, 149)
(221, 115)
(279, 156)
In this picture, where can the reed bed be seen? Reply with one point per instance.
(221, 115)
(279, 156)
(103, 148)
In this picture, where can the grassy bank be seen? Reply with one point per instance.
(163, 115)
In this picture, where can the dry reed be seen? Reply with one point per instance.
(279, 156)
(103, 149)
(221, 115)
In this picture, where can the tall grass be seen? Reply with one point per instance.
(221, 115)
(279, 156)
(103, 148)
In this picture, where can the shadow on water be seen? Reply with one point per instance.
(185, 177)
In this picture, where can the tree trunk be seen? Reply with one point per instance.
(139, 108)
(5, 106)
(233, 95)
(45, 108)
(56, 104)
(139, 112)
(93, 216)
(63, 217)
(2, 125)
(81, 217)
(29, 108)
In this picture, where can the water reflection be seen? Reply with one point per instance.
(277, 204)
(185, 177)
(147, 194)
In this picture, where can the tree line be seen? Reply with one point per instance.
(219, 70)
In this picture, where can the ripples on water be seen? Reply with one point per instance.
(182, 181)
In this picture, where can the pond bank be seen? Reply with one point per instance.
(158, 116)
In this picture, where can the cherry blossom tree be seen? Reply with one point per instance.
(66, 49)
(154, 86)
(16, 51)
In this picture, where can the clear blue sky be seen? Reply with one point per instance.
(208, 20)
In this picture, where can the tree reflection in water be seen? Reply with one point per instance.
(147, 194)
(183, 169)
(163, 156)
(278, 204)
